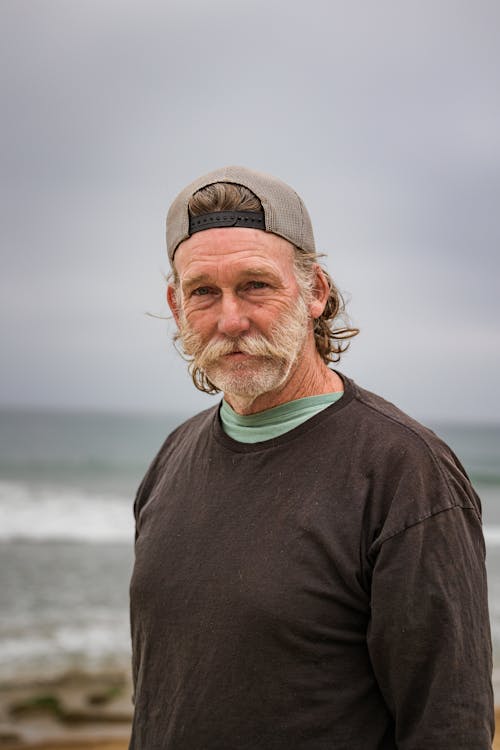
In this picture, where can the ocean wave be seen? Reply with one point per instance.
(83, 649)
(43, 513)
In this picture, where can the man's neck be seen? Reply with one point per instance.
(314, 379)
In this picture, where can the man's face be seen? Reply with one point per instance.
(240, 312)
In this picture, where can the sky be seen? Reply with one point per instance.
(385, 117)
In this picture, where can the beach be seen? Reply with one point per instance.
(73, 711)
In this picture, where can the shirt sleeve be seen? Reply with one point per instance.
(429, 638)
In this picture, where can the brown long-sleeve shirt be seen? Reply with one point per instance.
(324, 590)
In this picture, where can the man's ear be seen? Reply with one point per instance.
(320, 292)
(172, 302)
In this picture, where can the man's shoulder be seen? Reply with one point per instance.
(200, 421)
(183, 438)
(411, 458)
(389, 423)
(193, 429)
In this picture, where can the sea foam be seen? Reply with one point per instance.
(40, 513)
(43, 513)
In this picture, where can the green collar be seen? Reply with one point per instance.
(268, 424)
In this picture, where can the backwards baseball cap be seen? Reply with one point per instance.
(284, 212)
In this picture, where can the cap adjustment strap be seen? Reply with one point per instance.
(250, 219)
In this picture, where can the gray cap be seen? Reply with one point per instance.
(284, 212)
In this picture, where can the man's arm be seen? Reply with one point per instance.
(429, 637)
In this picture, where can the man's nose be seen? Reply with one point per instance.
(232, 320)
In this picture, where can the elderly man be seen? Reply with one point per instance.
(309, 560)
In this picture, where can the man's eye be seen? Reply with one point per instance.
(201, 291)
(257, 285)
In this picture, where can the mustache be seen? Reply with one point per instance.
(207, 354)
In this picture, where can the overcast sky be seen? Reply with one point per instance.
(384, 116)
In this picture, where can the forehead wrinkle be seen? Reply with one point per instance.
(258, 272)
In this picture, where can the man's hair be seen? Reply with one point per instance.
(330, 340)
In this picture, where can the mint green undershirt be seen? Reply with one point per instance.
(254, 428)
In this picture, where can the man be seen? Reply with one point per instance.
(309, 560)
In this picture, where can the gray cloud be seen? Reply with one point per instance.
(385, 117)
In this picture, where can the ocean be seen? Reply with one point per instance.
(67, 483)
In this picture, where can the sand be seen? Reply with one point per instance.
(74, 711)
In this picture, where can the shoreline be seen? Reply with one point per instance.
(76, 710)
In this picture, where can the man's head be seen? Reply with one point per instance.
(247, 292)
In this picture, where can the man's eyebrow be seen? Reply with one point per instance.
(201, 278)
(204, 278)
